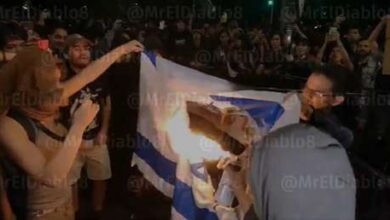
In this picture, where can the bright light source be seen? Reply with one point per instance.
(270, 2)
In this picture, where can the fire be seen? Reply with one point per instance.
(190, 145)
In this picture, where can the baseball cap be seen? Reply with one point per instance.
(73, 39)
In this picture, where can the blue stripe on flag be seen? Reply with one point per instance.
(183, 198)
(164, 168)
(152, 56)
(265, 113)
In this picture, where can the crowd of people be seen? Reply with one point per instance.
(85, 66)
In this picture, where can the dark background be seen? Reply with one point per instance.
(253, 10)
(121, 204)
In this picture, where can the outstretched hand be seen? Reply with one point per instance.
(133, 47)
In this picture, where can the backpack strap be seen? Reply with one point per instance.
(28, 124)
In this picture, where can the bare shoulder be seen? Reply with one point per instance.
(17, 146)
(8, 122)
(10, 128)
(7, 56)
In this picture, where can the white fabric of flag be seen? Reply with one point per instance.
(170, 155)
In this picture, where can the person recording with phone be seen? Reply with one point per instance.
(338, 54)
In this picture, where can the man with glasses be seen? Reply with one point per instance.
(319, 96)
(302, 171)
(309, 176)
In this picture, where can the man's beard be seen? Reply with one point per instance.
(59, 47)
(363, 55)
(80, 65)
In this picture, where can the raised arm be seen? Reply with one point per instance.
(378, 29)
(345, 54)
(320, 54)
(28, 157)
(386, 64)
(338, 21)
(299, 31)
(97, 68)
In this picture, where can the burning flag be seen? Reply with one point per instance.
(187, 119)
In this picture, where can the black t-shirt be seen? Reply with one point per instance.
(97, 91)
(349, 48)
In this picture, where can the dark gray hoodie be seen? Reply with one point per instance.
(302, 173)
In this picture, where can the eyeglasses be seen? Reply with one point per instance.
(320, 94)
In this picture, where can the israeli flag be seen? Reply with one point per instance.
(171, 155)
